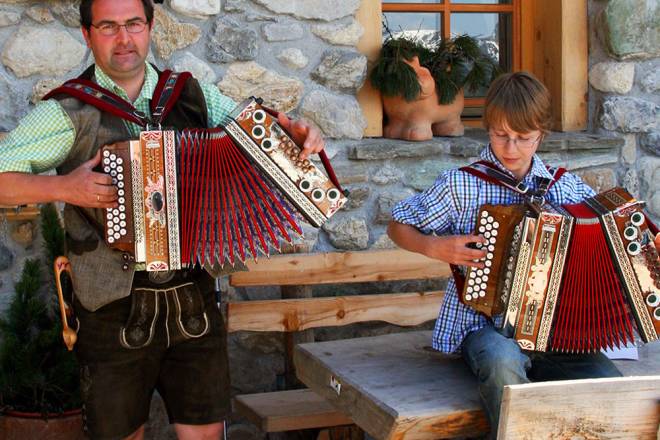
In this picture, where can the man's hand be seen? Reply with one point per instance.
(89, 189)
(454, 249)
(303, 134)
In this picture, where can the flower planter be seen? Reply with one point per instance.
(16, 425)
(422, 118)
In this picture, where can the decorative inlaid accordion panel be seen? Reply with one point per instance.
(213, 196)
(578, 278)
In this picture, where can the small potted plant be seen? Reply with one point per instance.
(422, 84)
(39, 378)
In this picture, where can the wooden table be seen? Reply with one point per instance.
(394, 387)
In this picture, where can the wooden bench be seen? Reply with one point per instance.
(392, 386)
(303, 409)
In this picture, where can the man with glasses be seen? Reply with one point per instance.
(439, 223)
(182, 354)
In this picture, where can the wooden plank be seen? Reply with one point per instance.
(340, 267)
(393, 387)
(289, 410)
(575, 65)
(369, 16)
(562, 59)
(612, 408)
(11, 213)
(405, 309)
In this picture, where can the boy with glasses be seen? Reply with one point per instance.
(439, 223)
(138, 332)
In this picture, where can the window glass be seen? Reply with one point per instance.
(492, 31)
(423, 26)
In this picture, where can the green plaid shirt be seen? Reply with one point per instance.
(43, 139)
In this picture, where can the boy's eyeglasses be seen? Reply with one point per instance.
(522, 143)
(132, 27)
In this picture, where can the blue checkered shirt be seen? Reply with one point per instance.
(450, 207)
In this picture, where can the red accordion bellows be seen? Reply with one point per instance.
(227, 208)
(591, 308)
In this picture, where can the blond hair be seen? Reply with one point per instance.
(518, 101)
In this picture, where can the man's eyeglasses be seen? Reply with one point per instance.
(132, 27)
(502, 140)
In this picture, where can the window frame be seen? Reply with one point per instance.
(550, 39)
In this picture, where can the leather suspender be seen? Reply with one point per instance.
(169, 87)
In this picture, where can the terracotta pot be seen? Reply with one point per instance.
(16, 425)
(422, 118)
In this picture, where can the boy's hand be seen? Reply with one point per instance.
(458, 249)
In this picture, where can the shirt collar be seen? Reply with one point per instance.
(150, 81)
(538, 167)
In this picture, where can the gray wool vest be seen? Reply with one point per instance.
(99, 277)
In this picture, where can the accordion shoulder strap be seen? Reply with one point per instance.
(489, 172)
(169, 87)
(322, 155)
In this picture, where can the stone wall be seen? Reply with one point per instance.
(300, 56)
(624, 60)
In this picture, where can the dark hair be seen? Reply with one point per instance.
(520, 101)
(86, 12)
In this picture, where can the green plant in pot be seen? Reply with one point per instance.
(39, 378)
(422, 84)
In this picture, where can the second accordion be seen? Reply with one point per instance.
(213, 196)
(577, 278)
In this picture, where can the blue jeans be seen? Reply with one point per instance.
(497, 361)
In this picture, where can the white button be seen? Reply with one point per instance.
(113, 157)
(486, 270)
(120, 161)
(121, 200)
(116, 228)
(116, 235)
(495, 232)
(488, 263)
(122, 208)
(113, 165)
(122, 231)
(106, 169)
(109, 224)
(122, 223)
(120, 169)
(482, 294)
(115, 212)
(106, 153)
(122, 216)
(120, 184)
(120, 193)
(468, 297)
(111, 239)
(496, 225)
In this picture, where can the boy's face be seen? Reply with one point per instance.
(514, 150)
(120, 56)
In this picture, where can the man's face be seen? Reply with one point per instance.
(120, 56)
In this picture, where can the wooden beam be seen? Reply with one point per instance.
(289, 410)
(404, 309)
(562, 56)
(340, 267)
(622, 407)
(369, 15)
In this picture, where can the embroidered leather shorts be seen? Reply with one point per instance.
(167, 339)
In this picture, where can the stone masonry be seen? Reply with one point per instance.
(300, 56)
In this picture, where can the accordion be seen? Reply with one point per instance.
(576, 278)
(212, 196)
